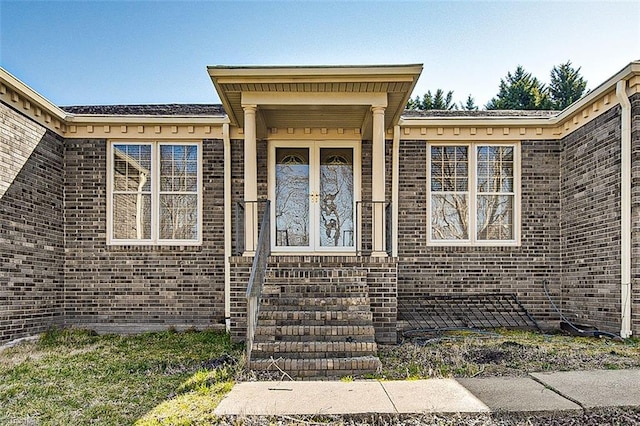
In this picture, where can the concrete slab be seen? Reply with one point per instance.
(322, 397)
(520, 394)
(600, 388)
(434, 395)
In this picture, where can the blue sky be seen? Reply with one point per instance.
(110, 52)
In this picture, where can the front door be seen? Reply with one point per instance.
(314, 188)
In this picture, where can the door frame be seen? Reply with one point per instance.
(315, 146)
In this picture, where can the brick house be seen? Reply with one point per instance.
(142, 217)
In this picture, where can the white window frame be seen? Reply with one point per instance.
(473, 195)
(155, 239)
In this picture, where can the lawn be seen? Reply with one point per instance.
(75, 377)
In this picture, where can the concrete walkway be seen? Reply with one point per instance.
(539, 392)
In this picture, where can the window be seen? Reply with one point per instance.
(155, 194)
(474, 194)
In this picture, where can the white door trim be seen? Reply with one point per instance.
(314, 176)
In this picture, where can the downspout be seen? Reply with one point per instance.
(227, 225)
(395, 155)
(143, 181)
(625, 206)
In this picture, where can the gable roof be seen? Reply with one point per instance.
(341, 96)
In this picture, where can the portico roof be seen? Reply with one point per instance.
(315, 96)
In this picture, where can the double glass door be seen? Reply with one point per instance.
(314, 187)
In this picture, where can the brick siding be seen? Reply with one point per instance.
(57, 268)
(425, 270)
(130, 288)
(590, 200)
(31, 227)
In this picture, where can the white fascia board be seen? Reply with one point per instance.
(34, 97)
(624, 74)
(306, 98)
(258, 73)
(479, 122)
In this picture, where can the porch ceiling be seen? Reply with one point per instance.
(328, 96)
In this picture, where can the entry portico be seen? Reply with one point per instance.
(316, 118)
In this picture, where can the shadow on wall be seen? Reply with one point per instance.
(20, 138)
(31, 227)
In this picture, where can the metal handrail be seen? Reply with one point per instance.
(241, 225)
(256, 279)
(360, 218)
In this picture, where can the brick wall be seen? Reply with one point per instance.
(570, 237)
(31, 227)
(635, 214)
(132, 288)
(590, 199)
(427, 270)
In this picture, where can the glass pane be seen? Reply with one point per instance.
(292, 197)
(462, 185)
(178, 216)
(449, 217)
(336, 197)
(436, 184)
(449, 168)
(132, 167)
(495, 169)
(132, 216)
(191, 184)
(495, 217)
(178, 167)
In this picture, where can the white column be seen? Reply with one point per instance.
(250, 181)
(378, 183)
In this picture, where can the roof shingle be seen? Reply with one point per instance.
(477, 114)
(159, 109)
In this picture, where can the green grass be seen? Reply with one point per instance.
(77, 377)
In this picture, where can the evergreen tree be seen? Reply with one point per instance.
(442, 101)
(427, 101)
(520, 90)
(567, 85)
(439, 100)
(470, 105)
(414, 104)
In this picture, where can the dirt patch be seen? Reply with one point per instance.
(509, 353)
(609, 416)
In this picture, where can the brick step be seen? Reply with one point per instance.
(316, 290)
(316, 330)
(317, 315)
(313, 272)
(319, 367)
(263, 322)
(362, 338)
(315, 302)
(300, 350)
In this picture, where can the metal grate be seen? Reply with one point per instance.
(463, 311)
